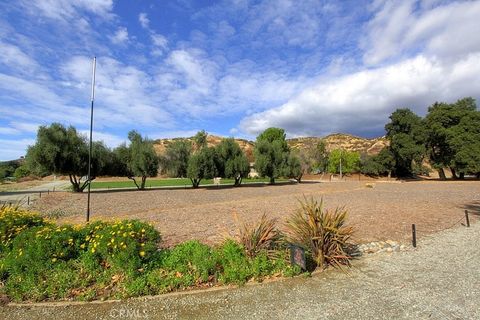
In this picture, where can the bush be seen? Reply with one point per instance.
(322, 232)
(263, 236)
(191, 260)
(126, 244)
(13, 221)
(42, 261)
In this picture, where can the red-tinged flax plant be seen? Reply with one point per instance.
(262, 236)
(321, 232)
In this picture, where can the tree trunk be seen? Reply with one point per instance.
(441, 174)
(454, 173)
(299, 178)
(272, 180)
(478, 175)
(238, 181)
(195, 183)
(144, 179)
(134, 181)
(462, 176)
(75, 184)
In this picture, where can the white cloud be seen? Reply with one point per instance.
(15, 59)
(143, 19)
(66, 9)
(125, 95)
(110, 140)
(361, 102)
(443, 30)
(13, 149)
(120, 36)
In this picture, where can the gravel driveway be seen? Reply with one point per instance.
(438, 280)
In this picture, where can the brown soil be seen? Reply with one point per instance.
(384, 211)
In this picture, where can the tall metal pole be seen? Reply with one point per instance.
(90, 144)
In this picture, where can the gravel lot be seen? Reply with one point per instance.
(438, 280)
(383, 212)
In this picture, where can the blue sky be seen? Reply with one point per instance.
(233, 68)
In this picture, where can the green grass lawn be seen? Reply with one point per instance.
(170, 183)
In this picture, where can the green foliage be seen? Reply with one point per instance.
(231, 161)
(21, 172)
(381, 164)
(202, 165)
(44, 261)
(453, 138)
(63, 151)
(407, 137)
(176, 157)
(200, 140)
(349, 161)
(7, 169)
(319, 157)
(271, 153)
(193, 260)
(142, 159)
(294, 167)
(323, 233)
(13, 221)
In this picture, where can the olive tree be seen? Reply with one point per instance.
(142, 161)
(231, 161)
(271, 153)
(61, 150)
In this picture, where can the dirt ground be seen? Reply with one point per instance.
(383, 212)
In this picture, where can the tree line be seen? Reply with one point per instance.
(447, 137)
(63, 151)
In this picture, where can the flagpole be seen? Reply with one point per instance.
(90, 144)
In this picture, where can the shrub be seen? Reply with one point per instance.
(234, 263)
(322, 232)
(263, 236)
(124, 244)
(13, 221)
(191, 260)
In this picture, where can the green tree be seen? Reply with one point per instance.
(381, 164)
(231, 161)
(63, 151)
(295, 167)
(176, 156)
(347, 161)
(142, 159)
(407, 136)
(319, 156)
(464, 139)
(202, 165)
(200, 139)
(21, 172)
(446, 126)
(271, 153)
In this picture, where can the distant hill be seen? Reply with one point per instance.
(333, 141)
(341, 141)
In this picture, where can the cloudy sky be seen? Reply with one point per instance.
(171, 68)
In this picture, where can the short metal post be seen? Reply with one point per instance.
(466, 218)
(48, 191)
(28, 200)
(414, 236)
(54, 189)
(40, 194)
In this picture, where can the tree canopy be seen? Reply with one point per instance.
(231, 161)
(142, 160)
(271, 153)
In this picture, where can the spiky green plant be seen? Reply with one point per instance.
(261, 236)
(320, 231)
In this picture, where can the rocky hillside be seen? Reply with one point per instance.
(333, 141)
(341, 141)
